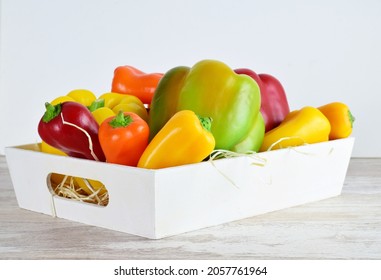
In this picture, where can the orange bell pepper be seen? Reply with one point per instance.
(129, 80)
(123, 138)
(340, 117)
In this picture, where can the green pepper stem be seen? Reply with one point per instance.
(351, 118)
(121, 120)
(96, 104)
(206, 122)
(51, 112)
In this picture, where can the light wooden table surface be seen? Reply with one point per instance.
(344, 227)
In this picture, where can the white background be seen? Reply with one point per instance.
(321, 51)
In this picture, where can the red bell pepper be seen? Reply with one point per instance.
(71, 128)
(129, 80)
(274, 104)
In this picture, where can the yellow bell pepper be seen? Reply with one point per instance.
(83, 96)
(307, 125)
(62, 99)
(102, 113)
(184, 139)
(112, 103)
(124, 102)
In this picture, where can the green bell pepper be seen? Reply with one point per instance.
(211, 89)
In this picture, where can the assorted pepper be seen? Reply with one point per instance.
(124, 102)
(180, 117)
(274, 104)
(305, 126)
(71, 128)
(210, 88)
(130, 80)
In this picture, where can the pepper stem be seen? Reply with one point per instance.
(351, 118)
(121, 120)
(206, 122)
(96, 104)
(51, 112)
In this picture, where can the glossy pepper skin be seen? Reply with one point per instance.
(71, 128)
(124, 102)
(340, 117)
(83, 96)
(124, 138)
(274, 104)
(210, 88)
(254, 139)
(130, 80)
(307, 125)
(184, 139)
(86, 98)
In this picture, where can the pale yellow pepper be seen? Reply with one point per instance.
(124, 102)
(305, 126)
(102, 113)
(83, 96)
(113, 103)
